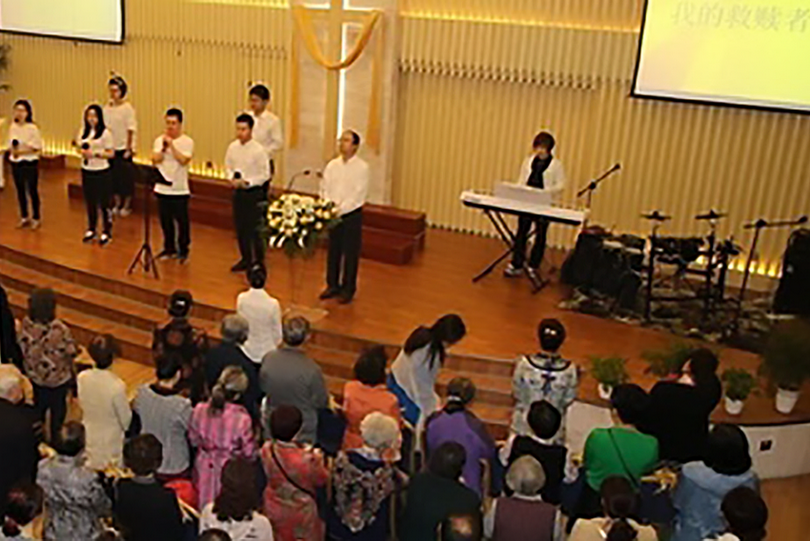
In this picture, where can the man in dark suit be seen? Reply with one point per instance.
(18, 443)
(9, 349)
(231, 353)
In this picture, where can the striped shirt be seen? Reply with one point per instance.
(167, 417)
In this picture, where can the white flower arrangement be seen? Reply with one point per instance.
(296, 222)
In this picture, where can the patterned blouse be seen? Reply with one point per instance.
(293, 512)
(48, 352)
(75, 500)
(543, 377)
(362, 485)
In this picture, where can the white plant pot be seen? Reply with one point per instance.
(605, 391)
(734, 407)
(786, 400)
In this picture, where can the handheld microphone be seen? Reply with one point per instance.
(15, 143)
(85, 146)
(165, 145)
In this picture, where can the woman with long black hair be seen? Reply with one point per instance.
(25, 146)
(96, 147)
(413, 374)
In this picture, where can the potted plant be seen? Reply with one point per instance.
(786, 361)
(739, 384)
(667, 362)
(608, 372)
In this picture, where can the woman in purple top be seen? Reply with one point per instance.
(220, 429)
(455, 423)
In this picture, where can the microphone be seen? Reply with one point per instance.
(15, 143)
(237, 175)
(85, 146)
(616, 167)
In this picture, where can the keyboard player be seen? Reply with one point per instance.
(542, 171)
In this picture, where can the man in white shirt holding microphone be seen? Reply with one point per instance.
(345, 182)
(248, 169)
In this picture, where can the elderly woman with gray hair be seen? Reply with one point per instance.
(524, 515)
(364, 481)
(231, 352)
(288, 377)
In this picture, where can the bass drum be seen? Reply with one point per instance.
(578, 269)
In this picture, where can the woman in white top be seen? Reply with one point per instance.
(413, 374)
(105, 410)
(235, 509)
(96, 146)
(263, 314)
(25, 146)
(620, 502)
(120, 117)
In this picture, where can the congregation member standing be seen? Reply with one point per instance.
(289, 377)
(247, 169)
(542, 171)
(345, 183)
(105, 408)
(97, 148)
(263, 314)
(414, 372)
(120, 117)
(544, 376)
(25, 146)
(48, 350)
(166, 414)
(220, 429)
(267, 127)
(9, 347)
(171, 154)
(18, 442)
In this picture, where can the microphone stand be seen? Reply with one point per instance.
(591, 188)
(758, 226)
(145, 257)
(295, 177)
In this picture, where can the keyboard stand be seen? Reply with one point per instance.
(508, 237)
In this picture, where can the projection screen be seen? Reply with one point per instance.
(94, 20)
(738, 52)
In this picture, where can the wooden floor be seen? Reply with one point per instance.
(501, 315)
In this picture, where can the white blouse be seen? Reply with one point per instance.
(97, 145)
(26, 134)
(258, 528)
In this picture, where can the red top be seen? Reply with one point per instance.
(358, 401)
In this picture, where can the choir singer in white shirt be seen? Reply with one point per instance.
(263, 314)
(267, 126)
(171, 155)
(25, 146)
(345, 182)
(541, 170)
(248, 169)
(120, 118)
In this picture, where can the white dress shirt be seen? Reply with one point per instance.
(267, 131)
(250, 160)
(97, 146)
(171, 169)
(345, 183)
(263, 314)
(105, 415)
(120, 119)
(553, 177)
(27, 134)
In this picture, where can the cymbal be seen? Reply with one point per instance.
(711, 215)
(656, 216)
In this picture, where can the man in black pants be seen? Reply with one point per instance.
(171, 154)
(248, 169)
(345, 183)
(541, 170)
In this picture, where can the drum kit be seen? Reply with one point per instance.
(705, 259)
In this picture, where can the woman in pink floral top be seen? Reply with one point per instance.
(220, 429)
(294, 473)
(48, 352)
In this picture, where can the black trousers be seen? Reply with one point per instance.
(26, 180)
(173, 211)
(248, 216)
(266, 185)
(97, 187)
(123, 176)
(345, 243)
(522, 238)
(53, 399)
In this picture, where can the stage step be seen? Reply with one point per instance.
(132, 323)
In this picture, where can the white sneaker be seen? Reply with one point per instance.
(89, 236)
(104, 239)
(512, 272)
(35, 224)
(124, 212)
